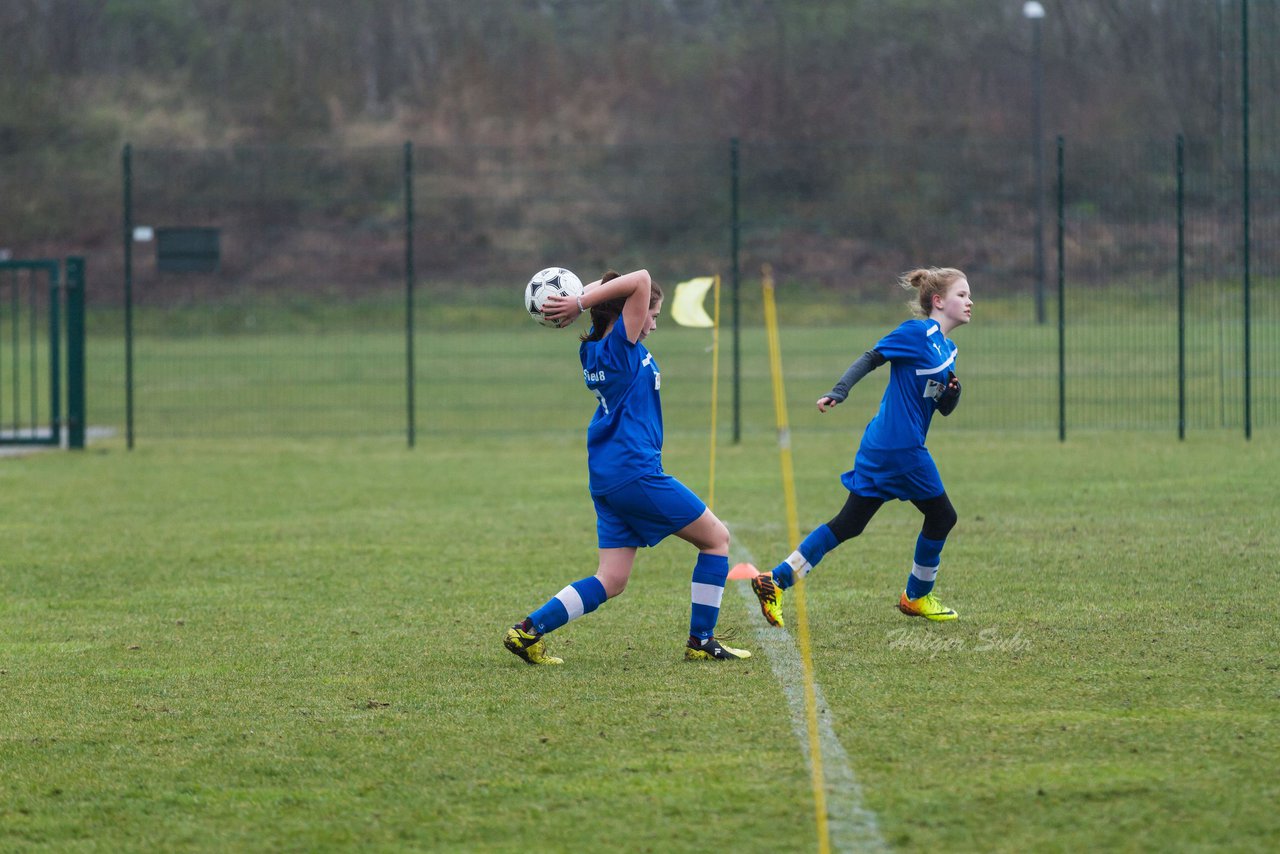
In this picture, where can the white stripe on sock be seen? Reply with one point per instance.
(798, 564)
(572, 602)
(924, 573)
(707, 594)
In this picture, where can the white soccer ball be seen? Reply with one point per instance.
(552, 281)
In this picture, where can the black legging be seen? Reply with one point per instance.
(939, 516)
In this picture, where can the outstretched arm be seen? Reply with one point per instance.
(865, 364)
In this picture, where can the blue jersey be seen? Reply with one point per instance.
(624, 439)
(920, 357)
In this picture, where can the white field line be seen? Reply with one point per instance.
(851, 826)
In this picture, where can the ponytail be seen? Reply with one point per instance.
(607, 312)
(604, 313)
(928, 283)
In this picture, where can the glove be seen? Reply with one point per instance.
(950, 396)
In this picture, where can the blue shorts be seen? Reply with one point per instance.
(645, 512)
(915, 484)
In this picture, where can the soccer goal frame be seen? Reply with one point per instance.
(35, 296)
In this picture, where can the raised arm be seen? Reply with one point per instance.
(636, 309)
(634, 287)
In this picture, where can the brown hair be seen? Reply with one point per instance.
(929, 283)
(607, 312)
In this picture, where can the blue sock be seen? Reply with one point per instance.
(928, 558)
(580, 597)
(709, 575)
(811, 551)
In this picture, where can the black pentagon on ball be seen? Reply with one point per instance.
(553, 282)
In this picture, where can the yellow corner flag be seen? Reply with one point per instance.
(686, 305)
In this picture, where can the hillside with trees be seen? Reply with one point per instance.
(79, 78)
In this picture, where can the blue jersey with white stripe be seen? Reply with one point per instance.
(624, 439)
(919, 354)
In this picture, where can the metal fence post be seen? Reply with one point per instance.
(410, 374)
(1062, 301)
(127, 158)
(75, 352)
(734, 235)
(1182, 295)
(1246, 204)
(56, 289)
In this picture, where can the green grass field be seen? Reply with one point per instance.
(273, 626)
(274, 645)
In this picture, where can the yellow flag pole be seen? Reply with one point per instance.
(793, 534)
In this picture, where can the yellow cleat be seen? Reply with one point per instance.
(529, 646)
(770, 596)
(712, 650)
(926, 606)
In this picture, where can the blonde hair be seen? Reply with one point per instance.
(930, 282)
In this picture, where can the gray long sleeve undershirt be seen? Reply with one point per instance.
(865, 364)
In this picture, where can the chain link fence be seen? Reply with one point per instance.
(291, 323)
(377, 292)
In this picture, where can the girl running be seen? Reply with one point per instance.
(637, 504)
(892, 461)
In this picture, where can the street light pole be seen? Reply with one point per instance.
(1034, 12)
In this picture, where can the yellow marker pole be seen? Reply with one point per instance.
(793, 534)
(715, 390)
